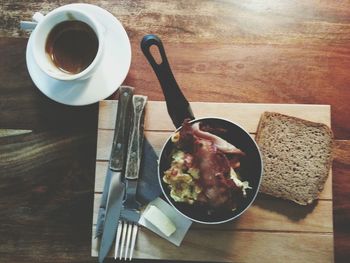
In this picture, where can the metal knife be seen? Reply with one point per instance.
(119, 149)
(115, 201)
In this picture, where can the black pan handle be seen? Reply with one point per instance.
(178, 107)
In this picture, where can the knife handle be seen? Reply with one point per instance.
(122, 128)
(136, 139)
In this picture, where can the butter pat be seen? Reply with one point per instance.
(157, 218)
(181, 223)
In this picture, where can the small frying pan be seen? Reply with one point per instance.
(179, 109)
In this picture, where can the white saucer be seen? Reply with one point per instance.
(108, 76)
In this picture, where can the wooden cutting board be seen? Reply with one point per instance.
(271, 230)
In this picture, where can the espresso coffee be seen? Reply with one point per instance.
(72, 46)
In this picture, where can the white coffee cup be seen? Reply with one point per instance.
(42, 30)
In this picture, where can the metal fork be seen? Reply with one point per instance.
(125, 240)
(128, 228)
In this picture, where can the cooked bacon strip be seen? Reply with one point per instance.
(214, 167)
(220, 143)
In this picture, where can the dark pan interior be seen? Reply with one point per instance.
(250, 170)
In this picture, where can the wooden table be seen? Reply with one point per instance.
(225, 51)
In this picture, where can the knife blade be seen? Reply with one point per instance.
(114, 207)
(118, 152)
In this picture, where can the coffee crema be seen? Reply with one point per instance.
(72, 46)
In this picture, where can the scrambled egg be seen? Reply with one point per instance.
(175, 137)
(183, 188)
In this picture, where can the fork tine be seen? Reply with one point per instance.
(135, 229)
(128, 240)
(117, 240)
(123, 240)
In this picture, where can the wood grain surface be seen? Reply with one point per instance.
(224, 51)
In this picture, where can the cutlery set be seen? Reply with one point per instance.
(119, 210)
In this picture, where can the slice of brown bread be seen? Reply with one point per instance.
(297, 155)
